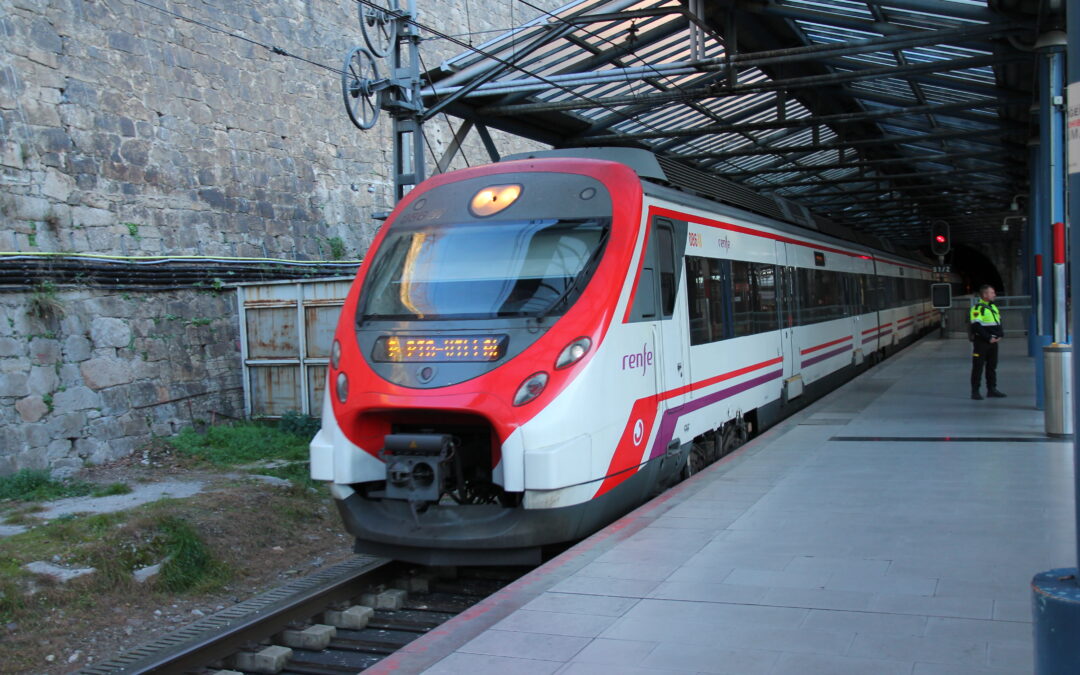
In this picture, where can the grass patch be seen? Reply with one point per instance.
(189, 565)
(23, 516)
(37, 486)
(240, 443)
(299, 473)
(112, 489)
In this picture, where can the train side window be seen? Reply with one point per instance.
(706, 299)
(665, 240)
(645, 302)
(767, 317)
(742, 299)
(789, 304)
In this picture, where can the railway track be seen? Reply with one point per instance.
(341, 620)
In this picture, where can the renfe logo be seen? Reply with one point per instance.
(642, 359)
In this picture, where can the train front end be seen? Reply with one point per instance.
(465, 420)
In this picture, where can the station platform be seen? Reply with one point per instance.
(893, 526)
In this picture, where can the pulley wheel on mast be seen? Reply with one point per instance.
(358, 79)
(378, 25)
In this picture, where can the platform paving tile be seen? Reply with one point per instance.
(734, 558)
(918, 648)
(963, 608)
(836, 565)
(579, 668)
(710, 527)
(1014, 610)
(922, 668)
(642, 571)
(515, 644)
(733, 636)
(815, 598)
(709, 592)
(624, 588)
(814, 664)
(616, 652)
(782, 579)
(866, 622)
(1015, 655)
(622, 553)
(484, 664)
(976, 629)
(884, 585)
(576, 603)
(555, 623)
(716, 613)
(710, 659)
(1018, 590)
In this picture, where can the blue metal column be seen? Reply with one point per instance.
(1031, 237)
(1050, 193)
(1056, 593)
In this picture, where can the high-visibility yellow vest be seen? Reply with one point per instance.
(985, 313)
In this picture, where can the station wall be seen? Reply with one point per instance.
(127, 131)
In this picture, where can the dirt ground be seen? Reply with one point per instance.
(266, 534)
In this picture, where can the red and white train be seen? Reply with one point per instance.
(534, 347)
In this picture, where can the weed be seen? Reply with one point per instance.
(35, 486)
(112, 489)
(23, 516)
(200, 321)
(44, 302)
(47, 399)
(298, 473)
(133, 230)
(299, 424)
(337, 248)
(239, 443)
(189, 565)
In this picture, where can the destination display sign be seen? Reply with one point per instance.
(439, 349)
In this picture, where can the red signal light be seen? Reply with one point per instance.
(940, 239)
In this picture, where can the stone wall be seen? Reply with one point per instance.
(90, 376)
(130, 132)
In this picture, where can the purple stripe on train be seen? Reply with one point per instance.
(671, 417)
(822, 357)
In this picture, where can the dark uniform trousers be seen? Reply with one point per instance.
(985, 354)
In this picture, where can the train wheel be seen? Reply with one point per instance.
(735, 435)
(695, 461)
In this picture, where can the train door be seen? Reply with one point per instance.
(789, 320)
(674, 343)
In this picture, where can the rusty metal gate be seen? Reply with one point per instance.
(286, 329)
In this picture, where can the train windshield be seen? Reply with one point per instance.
(483, 270)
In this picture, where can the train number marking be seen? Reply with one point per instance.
(695, 240)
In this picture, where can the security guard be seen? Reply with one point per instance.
(986, 332)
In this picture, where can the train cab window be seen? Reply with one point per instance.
(665, 242)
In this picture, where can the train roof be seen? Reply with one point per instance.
(671, 173)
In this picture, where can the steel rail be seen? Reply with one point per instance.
(224, 633)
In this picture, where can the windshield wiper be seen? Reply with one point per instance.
(573, 284)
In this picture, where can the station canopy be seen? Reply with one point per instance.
(878, 115)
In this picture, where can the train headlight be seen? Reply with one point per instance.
(532, 387)
(492, 199)
(341, 384)
(335, 355)
(574, 352)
